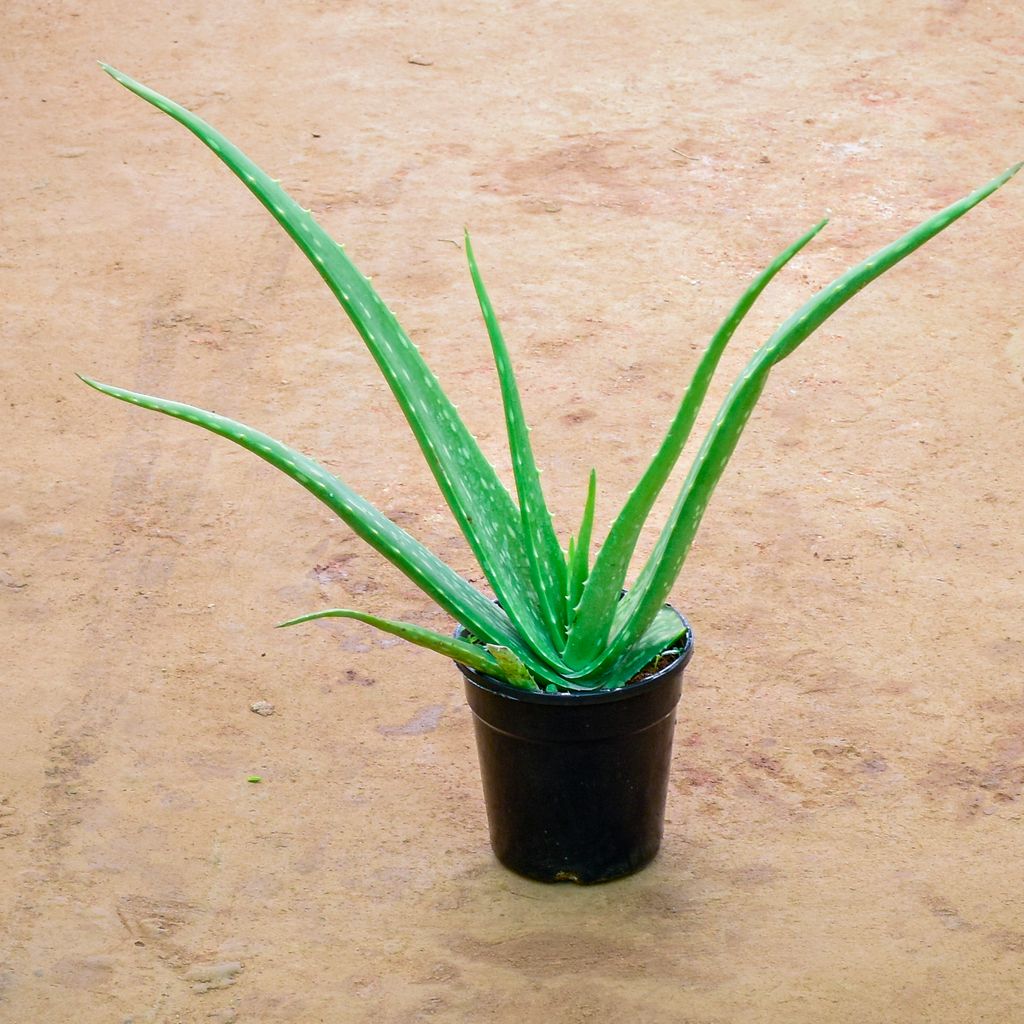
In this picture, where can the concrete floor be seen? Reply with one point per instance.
(844, 839)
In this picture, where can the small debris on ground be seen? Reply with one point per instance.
(421, 61)
(262, 707)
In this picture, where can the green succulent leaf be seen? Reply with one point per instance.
(468, 654)
(547, 566)
(579, 559)
(667, 630)
(558, 621)
(441, 583)
(646, 597)
(482, 507)
(512, 670)
(591, 624)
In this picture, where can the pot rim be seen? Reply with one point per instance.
(582, 698)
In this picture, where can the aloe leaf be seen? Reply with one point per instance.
(482, 507)
(664, 632)
(547, 565)
(468, 654)
(593, 620)
(514, 672)
(645, 598)
(579, 559)
(570, 558)
(441, 583)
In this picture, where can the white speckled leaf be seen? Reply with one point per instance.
(547, 565)
(422, 566)
(637, 610)
(479, 501)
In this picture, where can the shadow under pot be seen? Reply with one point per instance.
(575, 783)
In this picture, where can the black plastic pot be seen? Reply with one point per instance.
(575, 784)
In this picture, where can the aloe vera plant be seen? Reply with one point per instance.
(558, 622)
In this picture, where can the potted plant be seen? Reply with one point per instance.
(573, 680)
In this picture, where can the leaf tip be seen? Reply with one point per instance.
(109, 69)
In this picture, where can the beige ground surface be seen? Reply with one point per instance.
(845, 839)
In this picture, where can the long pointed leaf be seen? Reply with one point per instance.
(547, 566)
(441, 583)
(471, 655)
(594, 618)
(482, 507)
(579, 561)
(646, 597)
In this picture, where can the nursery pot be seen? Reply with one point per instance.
(575, 783)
